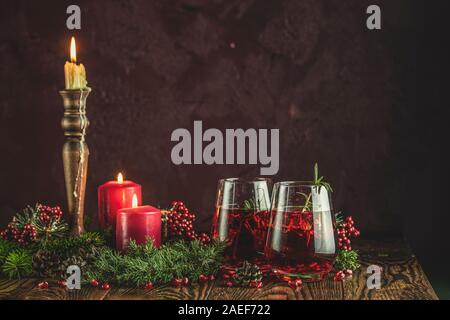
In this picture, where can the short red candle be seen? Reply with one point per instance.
(138, 224)
(115, 195)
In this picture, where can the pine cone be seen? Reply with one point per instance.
(48, 264)
(247, 273)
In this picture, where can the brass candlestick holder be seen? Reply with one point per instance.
(75, 154)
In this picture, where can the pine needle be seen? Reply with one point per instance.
(18, 264)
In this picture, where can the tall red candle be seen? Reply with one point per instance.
(138, 223)
(115, 195)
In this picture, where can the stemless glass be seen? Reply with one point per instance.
(301, 240)
(242, 216)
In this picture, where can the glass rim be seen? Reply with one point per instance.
(245, 180)
(295, 183)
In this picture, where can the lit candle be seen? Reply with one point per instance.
(74, 74)
(115, 195)
(138, 223)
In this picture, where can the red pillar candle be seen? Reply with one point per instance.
(115, 195)
(138, 223)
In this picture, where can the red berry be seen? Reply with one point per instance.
(229, 283)
(212, 277)
(339, 276)
(177, 282)
(255, 284)
(148, 286)
(43, 285)
(295, 283)
(62, 283)
(94, 283)
(203, 278)
(185, 281)
(105, 286)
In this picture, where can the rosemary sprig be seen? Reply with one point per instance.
(249, 204)
(318, 183)
(319, 180)
(339, 218)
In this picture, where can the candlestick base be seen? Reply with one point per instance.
(75, 154)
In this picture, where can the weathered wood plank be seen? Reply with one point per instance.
(398, 282)
(322, 290)
(270, 291)
(11, 289)
(402, 276)
(54, 292)
(194, 292)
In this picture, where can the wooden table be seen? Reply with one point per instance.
(402, 278)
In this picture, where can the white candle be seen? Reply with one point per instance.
(74, 74)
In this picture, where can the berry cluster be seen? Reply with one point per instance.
(48, 214)
(25, 228)
(346, 231)
(22, 234)
(180, 224)
(342, 274)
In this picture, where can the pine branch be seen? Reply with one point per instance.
(18, 264)
(72, 244)
(142, 264)
(6, 247)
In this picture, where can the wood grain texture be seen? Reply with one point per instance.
(194, 292)
(402, 278)
(12, 289)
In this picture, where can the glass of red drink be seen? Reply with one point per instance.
(301, 239)
(242, 216)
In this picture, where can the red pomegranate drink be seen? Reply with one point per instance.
(301, 240)
(242, 217)
(245, 230)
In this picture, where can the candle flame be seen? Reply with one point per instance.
(134, 202)
(73, 51)
(120, 177)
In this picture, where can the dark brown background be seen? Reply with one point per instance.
(365, 105)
